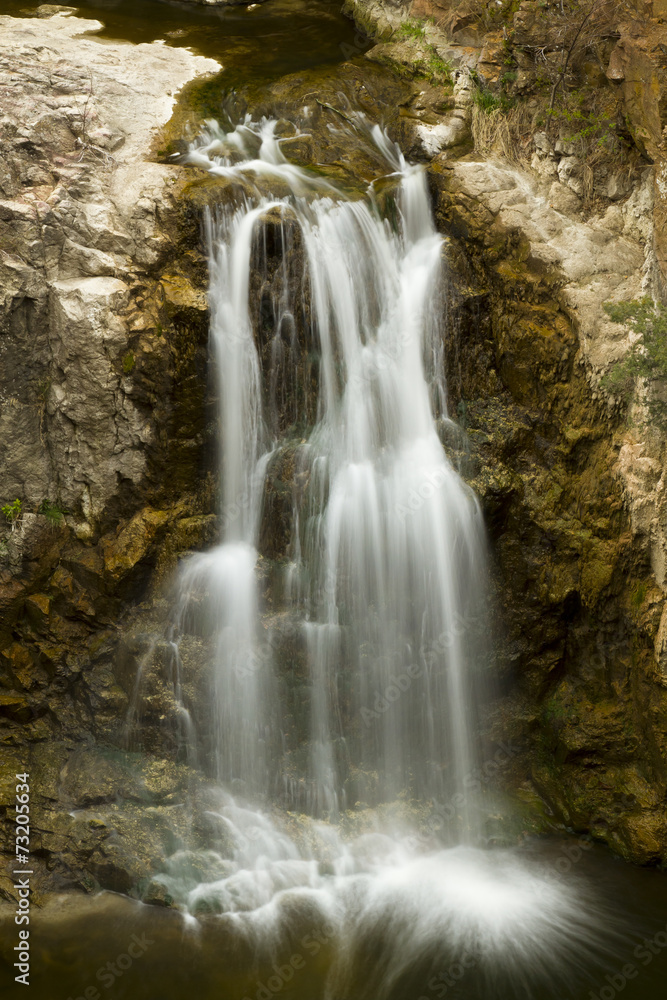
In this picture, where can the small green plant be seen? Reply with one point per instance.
(485, 100)
(13, 511)
(438, 69)
(586, 128)
(128, 362)
(53, 512)
(43, 386)
(646, 359)
(488, 102)
(411, 29)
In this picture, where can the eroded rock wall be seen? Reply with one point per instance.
(573, 493)
(103, 360)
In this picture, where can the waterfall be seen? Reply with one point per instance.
(381, 584)
(388, 577)
(396, 550)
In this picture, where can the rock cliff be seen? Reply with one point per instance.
(547, 226)
(103, 353)
(107, 423)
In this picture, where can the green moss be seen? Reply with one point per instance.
(638, 595)
(128, 363)
(555, 710)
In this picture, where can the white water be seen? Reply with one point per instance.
(385, 583)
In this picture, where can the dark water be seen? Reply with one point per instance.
(261, 42)
(113, 948)
(118, 949)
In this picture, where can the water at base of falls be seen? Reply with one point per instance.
(383, 586)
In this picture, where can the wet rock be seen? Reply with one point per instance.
(92, 776)
(285, 340)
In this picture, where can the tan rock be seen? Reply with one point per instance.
(84, 222)
(133, 542)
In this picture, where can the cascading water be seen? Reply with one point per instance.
(387, 576)
(397, 549)
(383, 585)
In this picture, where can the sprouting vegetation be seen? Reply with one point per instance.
(646, 361)
(430, 64)
(43, 388)
(487, 101)
(128, 362)
(411, 28)
(13, 511)
(54, 513)
(579, 121)
(437, 69)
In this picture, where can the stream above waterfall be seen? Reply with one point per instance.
(261, 41)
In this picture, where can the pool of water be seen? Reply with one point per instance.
(108, 946)
(261, 41)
